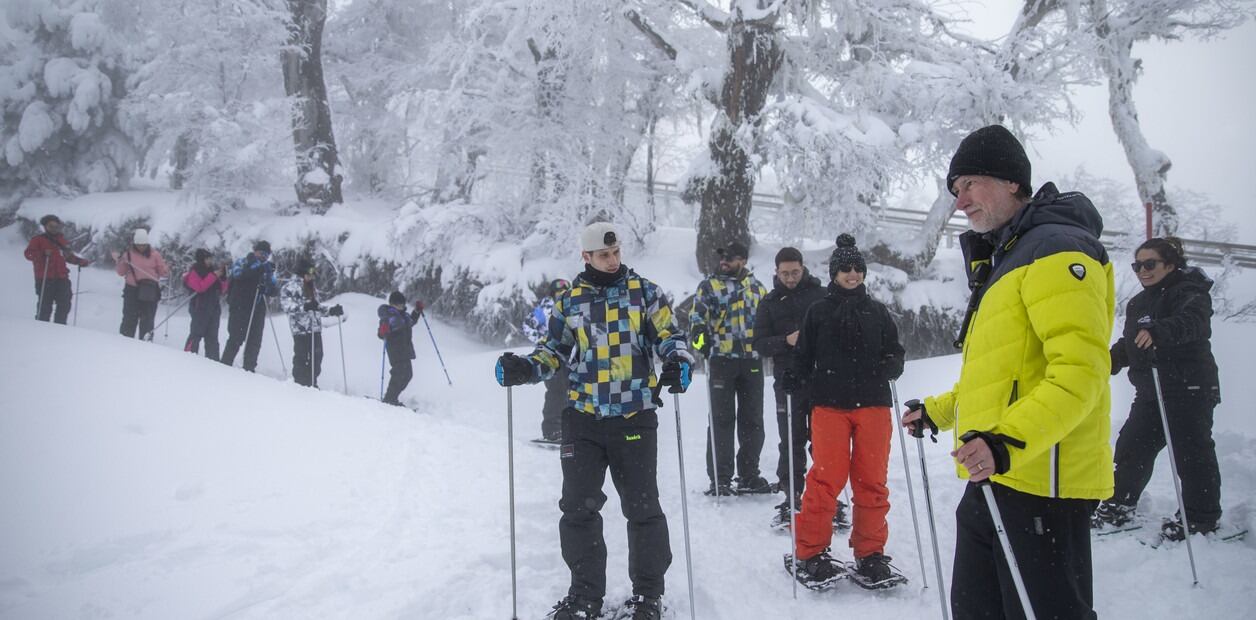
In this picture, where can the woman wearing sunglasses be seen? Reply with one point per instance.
(1168, 326)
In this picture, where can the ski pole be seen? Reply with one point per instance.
(278, 349)
(313, 380)
(344, 374)
(382, 358)
(684, 505)
(78, 277)
(715, 464)
(911, 495)
(933, 530)
(1012, 566)
(172, 313)
(510, 456)
(1177, 481)
(436, 348)
(43, 288)
(793, 522)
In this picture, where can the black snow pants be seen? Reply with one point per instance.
(137, 314)
(1050, 538)
(238, 328)
(629, 448)
(802, 434)
(555, 402)
(57, 293)
(399, 377)
(307, 358)
(206, 317)
(1142, 439)
(737, 409)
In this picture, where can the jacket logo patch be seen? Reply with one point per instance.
(1078, 270)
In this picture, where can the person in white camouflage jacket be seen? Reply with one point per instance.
(299, 299)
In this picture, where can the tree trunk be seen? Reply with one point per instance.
(318, 175)
(755, 56)
(1150, 166)
(181, 158)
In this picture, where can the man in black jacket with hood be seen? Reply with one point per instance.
(776, 325)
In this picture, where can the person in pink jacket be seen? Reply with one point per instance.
(208, 283)
(141, 266)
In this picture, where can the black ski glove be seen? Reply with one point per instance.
(310, 306)
(676, 375)
(791, 383)
(336, 310)
(891, 367)
(918, 427)
(998, 447)
(701, 341)
(513, 370)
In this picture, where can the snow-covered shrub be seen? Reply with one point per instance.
(62, 75)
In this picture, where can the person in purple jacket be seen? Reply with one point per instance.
(395, 330)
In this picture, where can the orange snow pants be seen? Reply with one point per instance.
(854, 443)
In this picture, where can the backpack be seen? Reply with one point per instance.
(384, 330)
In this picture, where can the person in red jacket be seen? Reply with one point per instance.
(208, 283)
(50, 252)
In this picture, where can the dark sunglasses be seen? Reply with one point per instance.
(849, 267)
(1148, 265)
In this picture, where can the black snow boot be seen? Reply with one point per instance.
(725, 489)
(1171, 529)
(875, 572)
(642, 608)
(780, 520)
(1111, 515)
(753, 485)
(576, 608)
(819, 572)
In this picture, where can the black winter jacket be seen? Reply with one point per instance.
(397, 327)
(1178, 312)
(848, 350)
(780, 314)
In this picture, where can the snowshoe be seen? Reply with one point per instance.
(755, 485)
(1110, 515)
(1171, 529)
(780, 520)
(817, 573)
(640, 608)
(725, 489)
(576, 608)
(874, 572)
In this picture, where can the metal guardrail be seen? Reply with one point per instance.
(1197, 250)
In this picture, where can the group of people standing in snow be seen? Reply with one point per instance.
(1029, 411)
(246, 284)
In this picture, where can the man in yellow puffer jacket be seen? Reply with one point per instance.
(1031, 409)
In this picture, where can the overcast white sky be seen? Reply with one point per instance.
(1196, 102)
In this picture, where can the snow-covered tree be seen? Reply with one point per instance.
(62, 74)
(206, 100)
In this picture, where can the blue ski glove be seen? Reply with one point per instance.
(513, 370)
(676, 375)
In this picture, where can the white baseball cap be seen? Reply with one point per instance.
(598, 236)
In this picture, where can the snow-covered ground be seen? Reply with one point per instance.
(141, 481)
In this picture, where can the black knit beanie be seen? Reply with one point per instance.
(396, 298)
(993, 152)
(846, 255)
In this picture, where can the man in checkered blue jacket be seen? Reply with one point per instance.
(722, 324)
(611, 323)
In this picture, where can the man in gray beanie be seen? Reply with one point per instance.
(1034, 385)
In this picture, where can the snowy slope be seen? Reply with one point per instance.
(140, 481)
